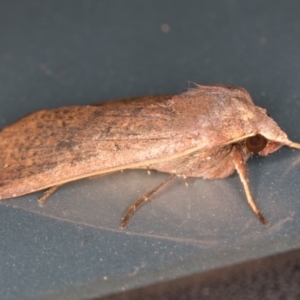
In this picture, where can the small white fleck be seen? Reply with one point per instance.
(263, 40)
(165, 28)
(48, 72)
(43, 66)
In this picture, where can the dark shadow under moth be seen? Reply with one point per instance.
(208, 131)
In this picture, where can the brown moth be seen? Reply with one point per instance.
(208, 131)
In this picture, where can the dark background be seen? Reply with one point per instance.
(55, 53)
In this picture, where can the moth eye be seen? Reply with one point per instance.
(256, 143)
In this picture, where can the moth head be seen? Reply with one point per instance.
(266, 137)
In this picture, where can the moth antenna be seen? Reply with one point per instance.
(48, 193)
(294, 145)
(241, 168)
(143, 199)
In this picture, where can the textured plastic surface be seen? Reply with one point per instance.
(63, 53)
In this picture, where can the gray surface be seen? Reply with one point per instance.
(274, 277)
(55, 53)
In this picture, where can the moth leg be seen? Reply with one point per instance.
(148, 171)
(241, 168)
(185, 181)
(48, 193)
(142, 200)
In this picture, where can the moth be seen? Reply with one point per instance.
(207, 131)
